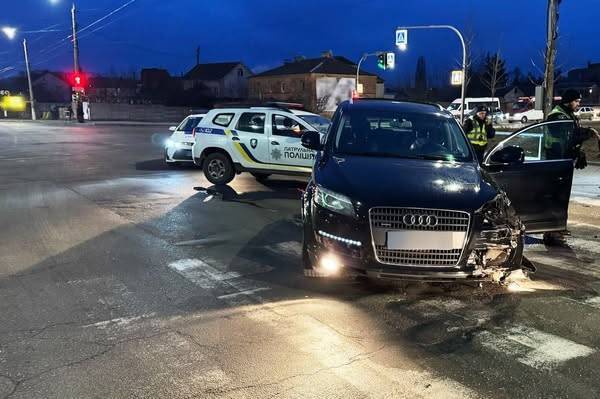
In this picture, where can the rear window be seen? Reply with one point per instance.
(189, 123)
(223, 119)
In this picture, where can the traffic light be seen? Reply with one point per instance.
(382, 61)
(79, 80)
(386, 60)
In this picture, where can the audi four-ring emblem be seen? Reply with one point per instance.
(420, 220)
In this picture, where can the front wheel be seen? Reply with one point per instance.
(524, 119)
(218, 169)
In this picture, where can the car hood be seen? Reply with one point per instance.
(397, 182)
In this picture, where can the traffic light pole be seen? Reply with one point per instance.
(28, 68)
(464, 60)
(364, 57)
(78, 109)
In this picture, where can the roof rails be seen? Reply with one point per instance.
(405, 101)
(282, 106)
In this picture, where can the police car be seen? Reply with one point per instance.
(261, 140)
(178, 147)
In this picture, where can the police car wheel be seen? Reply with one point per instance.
(261, 176)
(218, 168)
(524, 119)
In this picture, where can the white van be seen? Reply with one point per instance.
(493, 103)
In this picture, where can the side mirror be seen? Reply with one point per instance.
(511, 155)
(311, 140)
(173, 128)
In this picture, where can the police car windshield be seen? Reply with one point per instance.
(189, 124)
(317, 121)
(401, 135)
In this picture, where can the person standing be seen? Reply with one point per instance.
(479, 129)
(558, 146)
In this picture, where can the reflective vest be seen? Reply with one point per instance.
(555, 137)
(478, 135)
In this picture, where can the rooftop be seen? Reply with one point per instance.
(213, 71)
(334, 65)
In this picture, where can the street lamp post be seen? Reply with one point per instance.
(11, 33)
(464, 60)
(27, 67)
(364, 57)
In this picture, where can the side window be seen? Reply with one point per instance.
(286, 126)
(544, 142)
(223, 119)
(252, 122)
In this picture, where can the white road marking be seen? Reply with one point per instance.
(533, 347)
(204, 275)
(119, 321)
(293, 248)
(246, 292)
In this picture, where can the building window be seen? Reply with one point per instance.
(282, 86)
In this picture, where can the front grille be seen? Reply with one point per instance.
(385, 220)
(428, 257)
(393, 219)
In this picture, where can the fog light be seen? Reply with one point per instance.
(330, 264)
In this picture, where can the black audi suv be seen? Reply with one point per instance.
(396, 192)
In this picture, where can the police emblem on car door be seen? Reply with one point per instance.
(253, 143)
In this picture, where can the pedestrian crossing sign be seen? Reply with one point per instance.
(401, 37)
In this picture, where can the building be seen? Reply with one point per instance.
(155, 79)
(113, 90)
(219, 80)
(51, 87)
(318, 83)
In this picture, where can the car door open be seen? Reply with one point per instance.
(286, 147)
(535, 168)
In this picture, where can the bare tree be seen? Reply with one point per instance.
(494, 74)
(550, 57)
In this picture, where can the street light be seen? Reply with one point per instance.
(11, 33)
(403, 47)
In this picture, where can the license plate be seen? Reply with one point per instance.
(420, 240)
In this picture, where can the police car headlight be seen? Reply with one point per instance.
(333, 201)
(172, 144)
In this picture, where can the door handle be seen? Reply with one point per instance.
(274, 143)
(235, 138)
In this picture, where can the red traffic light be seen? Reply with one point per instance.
(79, 80)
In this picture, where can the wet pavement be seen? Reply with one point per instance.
(119, 279)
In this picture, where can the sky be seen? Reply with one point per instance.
(262, 33)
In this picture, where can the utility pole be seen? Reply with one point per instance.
(78, 108)
(27, 67)
(550, 59)
(75, 42)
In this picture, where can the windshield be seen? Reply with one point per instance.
(189, 123)
(402, 135)
(317, 121)
(454, 107)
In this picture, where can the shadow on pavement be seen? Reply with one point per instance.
(160, 164)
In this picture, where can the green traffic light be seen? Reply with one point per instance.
(381, 61)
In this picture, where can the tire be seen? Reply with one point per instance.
(218, 169)
(261, 176)
(524, 119)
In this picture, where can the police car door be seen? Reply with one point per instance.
(285, 145)
(250, 139)
(539, 186)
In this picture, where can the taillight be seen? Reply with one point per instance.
(194, 132)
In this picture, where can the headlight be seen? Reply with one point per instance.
(498, 211)
(172, 144)
(333, 201)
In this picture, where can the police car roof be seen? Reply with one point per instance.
(398, 106)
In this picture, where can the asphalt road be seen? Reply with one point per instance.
(118, 279)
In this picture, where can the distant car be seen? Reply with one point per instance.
(262, 140)
(526, 115)
(178, 147)
(585, 113)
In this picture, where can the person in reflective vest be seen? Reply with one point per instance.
(559, 145)
(479, 129)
